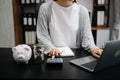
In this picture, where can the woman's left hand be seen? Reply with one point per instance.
(97, 52)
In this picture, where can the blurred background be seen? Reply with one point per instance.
(14, 30)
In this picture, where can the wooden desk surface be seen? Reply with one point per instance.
(9, 69)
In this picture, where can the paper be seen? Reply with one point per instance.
(66, 51)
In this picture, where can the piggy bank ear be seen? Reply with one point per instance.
(27, 49)
(14, 49)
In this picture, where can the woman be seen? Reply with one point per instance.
(65, 23)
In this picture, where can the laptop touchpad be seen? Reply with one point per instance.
(84, 60)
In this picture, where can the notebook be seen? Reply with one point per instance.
(66, 51)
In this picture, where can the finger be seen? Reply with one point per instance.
(100, 52)
(53, 57)
(56, 51)
(56, 54)
(50, 52)
(53, 52)
(96, 55)
(60, 53)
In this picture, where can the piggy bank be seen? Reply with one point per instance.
(22, 53)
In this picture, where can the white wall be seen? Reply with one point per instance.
(7, 38)
(87, 3)
(102, 37)
(48, 0)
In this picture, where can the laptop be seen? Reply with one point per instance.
(109, 57)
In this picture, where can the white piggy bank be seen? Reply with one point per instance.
(22, 53)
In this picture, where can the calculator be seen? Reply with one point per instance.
(55, 60)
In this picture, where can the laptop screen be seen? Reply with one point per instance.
(110, 55)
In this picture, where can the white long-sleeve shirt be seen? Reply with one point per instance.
(84, 35)
(64, 25)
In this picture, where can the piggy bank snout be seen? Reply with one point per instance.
(21, 57)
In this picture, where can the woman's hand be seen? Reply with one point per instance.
(54, 52)
(97, 52)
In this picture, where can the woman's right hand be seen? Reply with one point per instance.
(54, 52)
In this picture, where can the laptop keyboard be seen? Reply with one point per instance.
(90, 65)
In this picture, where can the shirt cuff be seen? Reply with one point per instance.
(92, 47)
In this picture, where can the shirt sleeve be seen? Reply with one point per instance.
(43, 36)
(87, 37)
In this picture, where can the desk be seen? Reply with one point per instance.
(9, 69)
